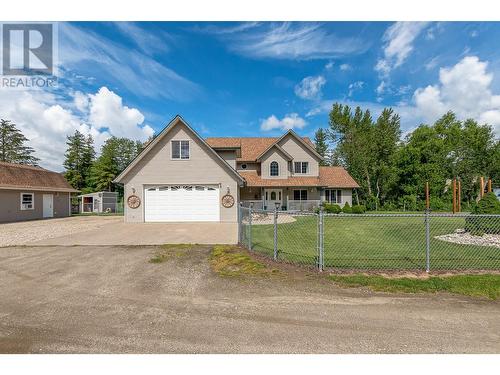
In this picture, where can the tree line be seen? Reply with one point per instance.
(84, 170)
(392, 171)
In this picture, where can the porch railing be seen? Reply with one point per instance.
(305, 205)
(257, 204)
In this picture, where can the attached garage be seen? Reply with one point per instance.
(178, 203)
(179, 178)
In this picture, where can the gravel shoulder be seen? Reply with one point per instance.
(26, 232)
(112, 299)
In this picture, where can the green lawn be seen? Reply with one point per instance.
(469, 285)
(375, 243)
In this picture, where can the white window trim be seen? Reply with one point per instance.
(32, 201)
(270, 164)
(180, 149)
(336, 195)
(301, 164)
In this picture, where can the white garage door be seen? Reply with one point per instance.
(181, 203)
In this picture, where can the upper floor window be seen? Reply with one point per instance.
(180, 149)
(274, 169)
(301, 167)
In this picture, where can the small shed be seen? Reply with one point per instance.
(98, 202)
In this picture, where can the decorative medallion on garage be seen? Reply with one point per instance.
(228, 201)
(133, 201)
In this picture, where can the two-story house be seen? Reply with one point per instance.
(284, 172)
(182, 177)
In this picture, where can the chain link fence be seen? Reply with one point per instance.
(414, 242)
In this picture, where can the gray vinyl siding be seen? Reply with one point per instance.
(10, 205)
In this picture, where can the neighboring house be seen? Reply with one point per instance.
(180, 176)
(28, 192)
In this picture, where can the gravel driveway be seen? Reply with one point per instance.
(113, 300)
(22, 233)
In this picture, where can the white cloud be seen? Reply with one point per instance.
(399, 39)
(90, 54)
(288, 40)
(345, 67)
(329, 65)
(398, 45)
(81, 101)
(355, 86)
(148, 42)
(310, 87)
(464, 89)
(106, 110)
(432, 63)
(381, 88)
(290, 121)
(46, 120)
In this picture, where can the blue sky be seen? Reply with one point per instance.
(256, 79)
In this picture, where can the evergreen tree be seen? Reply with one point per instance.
(12, 145)
(116, 154)
(78, 160)
(321, 144)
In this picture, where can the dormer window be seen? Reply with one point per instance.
(274, 169)
(301, 167)
(180, 150)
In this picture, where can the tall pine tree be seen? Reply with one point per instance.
(78, 160)
(12, 145)
(321, 143)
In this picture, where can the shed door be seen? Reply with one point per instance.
(182, 203)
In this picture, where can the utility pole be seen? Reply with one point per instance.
(454, 195)
(459, 199)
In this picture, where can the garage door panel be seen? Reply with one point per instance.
(182, 203)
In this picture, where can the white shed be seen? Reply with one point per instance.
(98, 202)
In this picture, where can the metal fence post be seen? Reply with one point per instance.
(427, 241)
(276, 232)
(321, 259)
(250, 226)
(240, 223)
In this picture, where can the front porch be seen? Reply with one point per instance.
(298, 198)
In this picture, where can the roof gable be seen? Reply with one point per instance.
(177, 120)
(307, 144)
(279, 149)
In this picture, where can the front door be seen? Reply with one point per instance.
(272, 197)
(48, 205)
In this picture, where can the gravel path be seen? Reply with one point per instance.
(15, 234)
(268, 219)
(465, 238)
